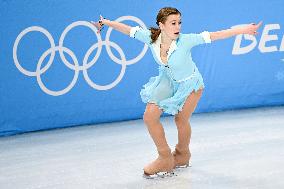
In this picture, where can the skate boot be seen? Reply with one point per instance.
(182, 158)
(162, 167)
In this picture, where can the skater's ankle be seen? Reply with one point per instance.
(165, 150)
(182, 148)
(165, 153)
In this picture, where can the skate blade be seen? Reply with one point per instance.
(183, 166)
(159, 175)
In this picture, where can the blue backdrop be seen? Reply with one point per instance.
(54, 73)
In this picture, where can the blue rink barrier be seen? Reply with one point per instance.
(54, 73)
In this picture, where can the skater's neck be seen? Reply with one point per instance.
(165, 40)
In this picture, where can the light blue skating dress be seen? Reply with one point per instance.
(179, 77)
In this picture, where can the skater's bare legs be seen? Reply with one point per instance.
(165, 161)
(152, 120)
(182, 153)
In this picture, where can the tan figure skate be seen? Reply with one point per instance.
(162, 167)
(182, 158)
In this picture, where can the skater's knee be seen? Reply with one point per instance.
(152, 114)
(181, 120)
(150, 118)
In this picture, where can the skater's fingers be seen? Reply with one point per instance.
(101, 18)
(259, 24)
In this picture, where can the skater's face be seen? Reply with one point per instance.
(171, 27)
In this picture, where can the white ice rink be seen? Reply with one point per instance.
(234, 149)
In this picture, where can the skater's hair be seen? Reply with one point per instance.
(162, 17)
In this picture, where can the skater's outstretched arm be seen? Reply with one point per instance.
(137, 32)
(123, 28)
(248, 29)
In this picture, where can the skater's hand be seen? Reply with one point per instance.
(99, 25)
(252, 28)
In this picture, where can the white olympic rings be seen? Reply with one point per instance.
(75, 65)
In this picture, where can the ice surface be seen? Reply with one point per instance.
(233, 149)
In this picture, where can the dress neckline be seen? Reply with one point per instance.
(157, 50)
(167, 52)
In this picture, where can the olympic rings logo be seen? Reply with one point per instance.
(75, 66)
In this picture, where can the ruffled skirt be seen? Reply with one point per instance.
(168, 94)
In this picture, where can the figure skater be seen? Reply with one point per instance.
(179, 85)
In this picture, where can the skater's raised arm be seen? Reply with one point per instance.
(123, 28)
(139, 33)
(248, 29)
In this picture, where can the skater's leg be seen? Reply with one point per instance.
(182, 153)
(152, 120)
(165, 161)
